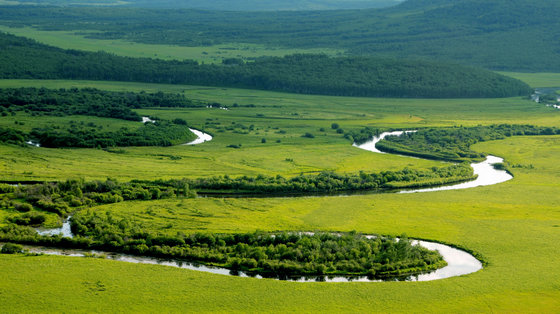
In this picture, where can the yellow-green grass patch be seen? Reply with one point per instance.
(513, 225)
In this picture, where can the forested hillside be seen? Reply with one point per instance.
(307, 74)
(516, 35)
(230, 5)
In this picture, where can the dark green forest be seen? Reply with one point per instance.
(308, 74)
(93, 102)
(87, 101)
(513, 35)
(227, 5)
(160, 133)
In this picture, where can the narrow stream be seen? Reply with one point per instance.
(485, 171)
(459, 263)
(201, 137)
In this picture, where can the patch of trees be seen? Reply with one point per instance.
(11, 248)
(88, 102)
(331, 182)
(453, 144)
(306, 74)
(11, 136)
(363, 135)
(160, 133)
(62, 198)
(94, 102)
(266, 254)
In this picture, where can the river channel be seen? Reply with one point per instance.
(485, 171)
(459, 262)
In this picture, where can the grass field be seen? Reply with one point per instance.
(206, 54)
(27, 122)
(518, 235)
(537, 79)
(275, 116)
(515, 225)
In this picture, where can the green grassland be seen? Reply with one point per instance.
(26, 122)
(518, 236)
(205, 54)
(275, 116)
(515, 225)
(536, 79)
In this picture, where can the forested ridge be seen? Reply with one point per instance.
(226, 5)
(308, 74)
(514, 35)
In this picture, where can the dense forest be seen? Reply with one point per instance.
(514, 35)
(160, 133)
(453, 144)
(88, 102)
(308, 74)
(93, 102)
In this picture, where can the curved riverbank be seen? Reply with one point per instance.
(484, 171)
(458, 263)
(201, 137)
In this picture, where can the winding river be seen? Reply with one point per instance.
(459, 262)
(485, 171)
(201, 137)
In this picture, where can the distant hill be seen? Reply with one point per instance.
(228, 5)
(307, 74)
(509, 35)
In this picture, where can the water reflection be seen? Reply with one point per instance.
(459, 263)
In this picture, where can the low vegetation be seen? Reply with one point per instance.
(453, 144)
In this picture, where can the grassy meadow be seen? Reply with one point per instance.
(280, 118)
(205, 54)
(514, 226)
(536, 79)
(517, 235)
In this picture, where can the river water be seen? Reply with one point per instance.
(201, 137)
(485, 171)
(459, 263)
